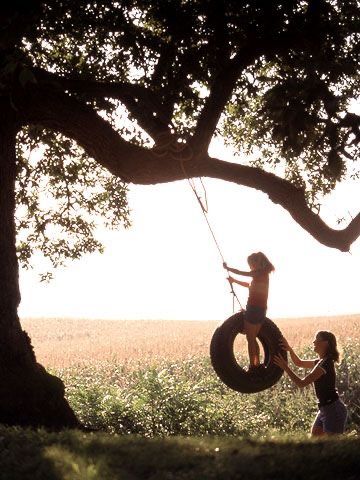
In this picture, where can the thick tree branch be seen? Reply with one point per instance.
(142, 103)
(291, 198)
(225, 82)
(218, 21)
(220, 94)
(65, 114)
(143, 166)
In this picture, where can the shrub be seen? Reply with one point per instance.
(186, 398)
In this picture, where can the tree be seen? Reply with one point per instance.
(137, 89)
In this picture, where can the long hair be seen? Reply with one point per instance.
(332, 350)
(261, 262)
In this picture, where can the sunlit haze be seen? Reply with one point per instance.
(166, 266)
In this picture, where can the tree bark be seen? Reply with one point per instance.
(29, 396)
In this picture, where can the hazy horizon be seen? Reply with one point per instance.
(167, 266)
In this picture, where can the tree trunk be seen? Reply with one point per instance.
(29, 396)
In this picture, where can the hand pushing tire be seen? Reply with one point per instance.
(226, 366)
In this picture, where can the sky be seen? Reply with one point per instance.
(166, 266)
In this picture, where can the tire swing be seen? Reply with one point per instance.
(226, 366)
(222, 344)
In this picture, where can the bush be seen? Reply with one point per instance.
(186, 398)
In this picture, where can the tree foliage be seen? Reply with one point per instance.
(276, 80)
(61, 190)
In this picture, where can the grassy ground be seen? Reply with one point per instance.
(28, 455)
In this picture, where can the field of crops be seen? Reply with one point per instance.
(63, 342)
(155, 378)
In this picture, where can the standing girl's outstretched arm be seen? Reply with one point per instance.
(314, 375)
(296, 360)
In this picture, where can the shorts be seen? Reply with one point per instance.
(254, 315)
(332, 418)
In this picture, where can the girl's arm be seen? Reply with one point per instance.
(238, 272)
(239, 282)
(299, 362)
(314, 375)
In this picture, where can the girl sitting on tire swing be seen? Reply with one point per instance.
(254, 316)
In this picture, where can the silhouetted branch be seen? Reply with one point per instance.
(290, 197)
(224, 83)
(140, 165)
(141, 102)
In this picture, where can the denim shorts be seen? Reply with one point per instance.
(332, 418)
(254, 315)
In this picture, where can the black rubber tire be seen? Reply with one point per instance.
(224, 362)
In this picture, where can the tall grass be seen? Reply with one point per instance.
(186, 398)
(155, 378)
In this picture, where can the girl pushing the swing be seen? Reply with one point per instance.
(254, 315)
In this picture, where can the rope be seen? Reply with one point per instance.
(167, 145)
(205, 212)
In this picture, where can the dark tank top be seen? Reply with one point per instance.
(325, 388)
